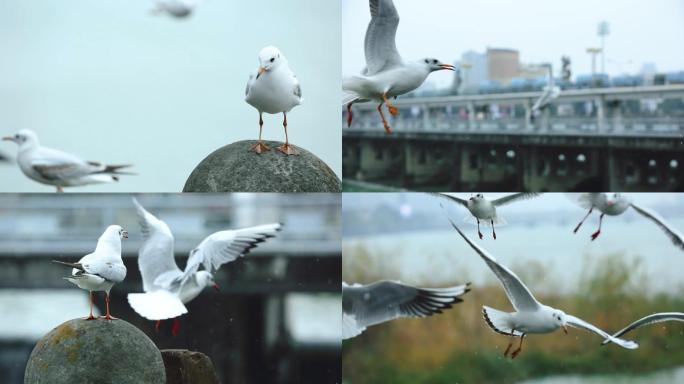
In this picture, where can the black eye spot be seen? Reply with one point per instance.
(272, 59)
(434, 61)
(427, 61)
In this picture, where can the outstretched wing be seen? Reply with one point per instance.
(156, 256)
(650, 319)
(579, 323)
(380, 47)
(366, 305)
(225, 246)
(451, 198)
(514, 197)
(519, 295)
(673, 234)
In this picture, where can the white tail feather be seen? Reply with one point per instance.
(349, 327)
(157, 305)
(498, 321)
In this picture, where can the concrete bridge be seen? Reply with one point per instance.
(628, 139)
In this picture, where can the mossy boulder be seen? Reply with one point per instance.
(234, 168)
(95, 351)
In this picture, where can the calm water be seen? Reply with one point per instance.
(442, 257)
(664, 377)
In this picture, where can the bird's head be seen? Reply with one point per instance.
(23, 138)
(117, 230)
(269, 59)
(477, 197)
(559, 319)
(613, 199)
(206, 279)
(433, 65)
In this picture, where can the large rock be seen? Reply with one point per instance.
(96, 351)
(234, 168)
(188, 367)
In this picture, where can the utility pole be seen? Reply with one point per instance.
(603, 31)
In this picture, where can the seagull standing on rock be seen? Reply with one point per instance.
(386, 74)
(530, 316)
(273, 89)
(167, 287)
(57, 168)
(103, 268)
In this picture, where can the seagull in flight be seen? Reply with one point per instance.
(550, 93)
(100, 270)
(167, 287)
(386, 74)
(530, 315)
(614, 204)
(57, 168)
(483, 209)
(382, 301)
(179, 9)
(650, 319)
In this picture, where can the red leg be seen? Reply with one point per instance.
(581, 222)
(391, 108)
(287, 148)
(478, 229)
(517, 351)
(259, 147)
(350, 115)
(493, 231)
(388, 129)
(108, 315)
(510, 343)
(598, 232)
(91, 317)
(175, 329)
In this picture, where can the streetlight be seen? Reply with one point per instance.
(593, 52)
(603, 31)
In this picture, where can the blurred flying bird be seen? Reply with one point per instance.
(100, 270)
(550, 93)
(57, 168)
(382, 301)
(386, 74)
(176, 8)
(274, 88)
(483, 209)
(530, 316)
(650, 319)
(167, 287)
(614, 204)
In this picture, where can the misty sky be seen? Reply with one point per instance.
(641, 31)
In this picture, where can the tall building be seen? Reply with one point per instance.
(502, 64)
(473, 67)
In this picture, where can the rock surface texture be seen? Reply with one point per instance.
(188, 367)
(234, 168)
(96, 351)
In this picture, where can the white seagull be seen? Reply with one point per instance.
(274, 88)
(179, 9)
(100, 270)
(613, 204)
(485, 210)
(167, 287)
(650, 319)
(57, 168)
(382, 301)
(386, 74)
(530, 316)
(550, 93)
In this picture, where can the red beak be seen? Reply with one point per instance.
(216, 287)
(447, 66)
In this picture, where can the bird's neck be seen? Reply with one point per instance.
(109, 243)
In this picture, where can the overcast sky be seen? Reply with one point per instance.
(641, 31)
